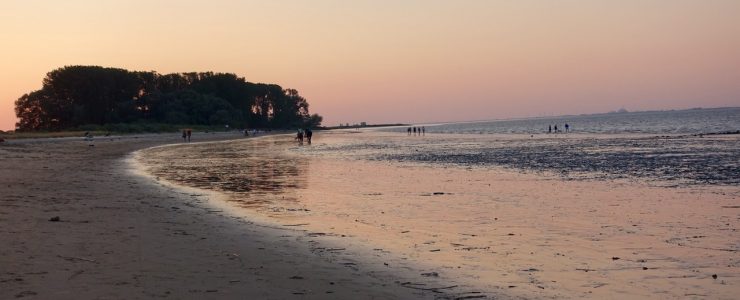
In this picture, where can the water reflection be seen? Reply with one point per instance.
(659, 160)
(258, 172)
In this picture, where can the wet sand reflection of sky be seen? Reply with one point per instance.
(258, 170)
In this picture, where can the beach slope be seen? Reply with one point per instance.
(75, 223)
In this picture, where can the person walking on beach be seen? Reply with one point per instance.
(309, 133)
(409, 131)
(549, 129)
(299, 136)
(423, 130)
(567, 127)
(190, 132)
(184, 136)
(414, 130)
(556, 128)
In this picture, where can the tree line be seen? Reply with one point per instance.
(76, 96)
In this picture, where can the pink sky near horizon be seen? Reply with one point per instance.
(399, 61)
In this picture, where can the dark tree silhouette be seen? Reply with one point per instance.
(74, 96)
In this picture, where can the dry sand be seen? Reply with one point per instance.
(124, 236)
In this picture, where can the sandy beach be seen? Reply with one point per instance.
(77, 223)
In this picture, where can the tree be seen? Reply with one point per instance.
(78, 95)
(313, 121)
(30, 111)
(95, 92)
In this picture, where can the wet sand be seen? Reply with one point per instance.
(477, 232)
(77, 222)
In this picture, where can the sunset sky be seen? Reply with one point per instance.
(399, 61)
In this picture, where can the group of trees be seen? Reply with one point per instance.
(75, 96)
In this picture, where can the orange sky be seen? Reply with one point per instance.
(399, 61)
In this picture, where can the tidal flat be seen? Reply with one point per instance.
(392, 204)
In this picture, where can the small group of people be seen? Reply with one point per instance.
(417, 130)
(186, 133)
(550, 128)
(304, 133)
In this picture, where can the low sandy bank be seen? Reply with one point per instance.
(75, 223)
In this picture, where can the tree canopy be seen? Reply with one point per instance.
(74, 96)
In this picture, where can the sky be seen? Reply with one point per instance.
(388, 61)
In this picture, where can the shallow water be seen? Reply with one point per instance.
(692, 121)
(490, 230)
(256, 170)
(660, 160)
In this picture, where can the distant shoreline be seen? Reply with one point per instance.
(579, 115)
(363, 126)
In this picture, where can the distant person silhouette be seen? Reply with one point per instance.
(549, 129)
(309, 134)
(567, 127)
(414, 131)
(184, 135)
(190, 132)
(409, 130)
(423, 130)
(299, 136)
